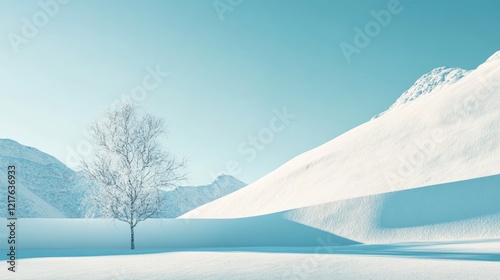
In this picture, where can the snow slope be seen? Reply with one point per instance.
(450, 135)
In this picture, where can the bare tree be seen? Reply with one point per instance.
(129, 166)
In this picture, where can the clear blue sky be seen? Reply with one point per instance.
(226, 76)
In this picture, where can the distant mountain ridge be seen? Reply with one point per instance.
(12, 149)
(46, 188)
(186, 198)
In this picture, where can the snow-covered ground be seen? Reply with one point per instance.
(462, 260)
(81, 234)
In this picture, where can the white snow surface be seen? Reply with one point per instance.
(457, 261)
(264, 247)
(447, 136)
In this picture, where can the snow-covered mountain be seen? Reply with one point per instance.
(46, 188)
(186, 198)
(450, 133)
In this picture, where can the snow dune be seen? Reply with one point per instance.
(464, 210)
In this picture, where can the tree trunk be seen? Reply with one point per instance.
(132, 241)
